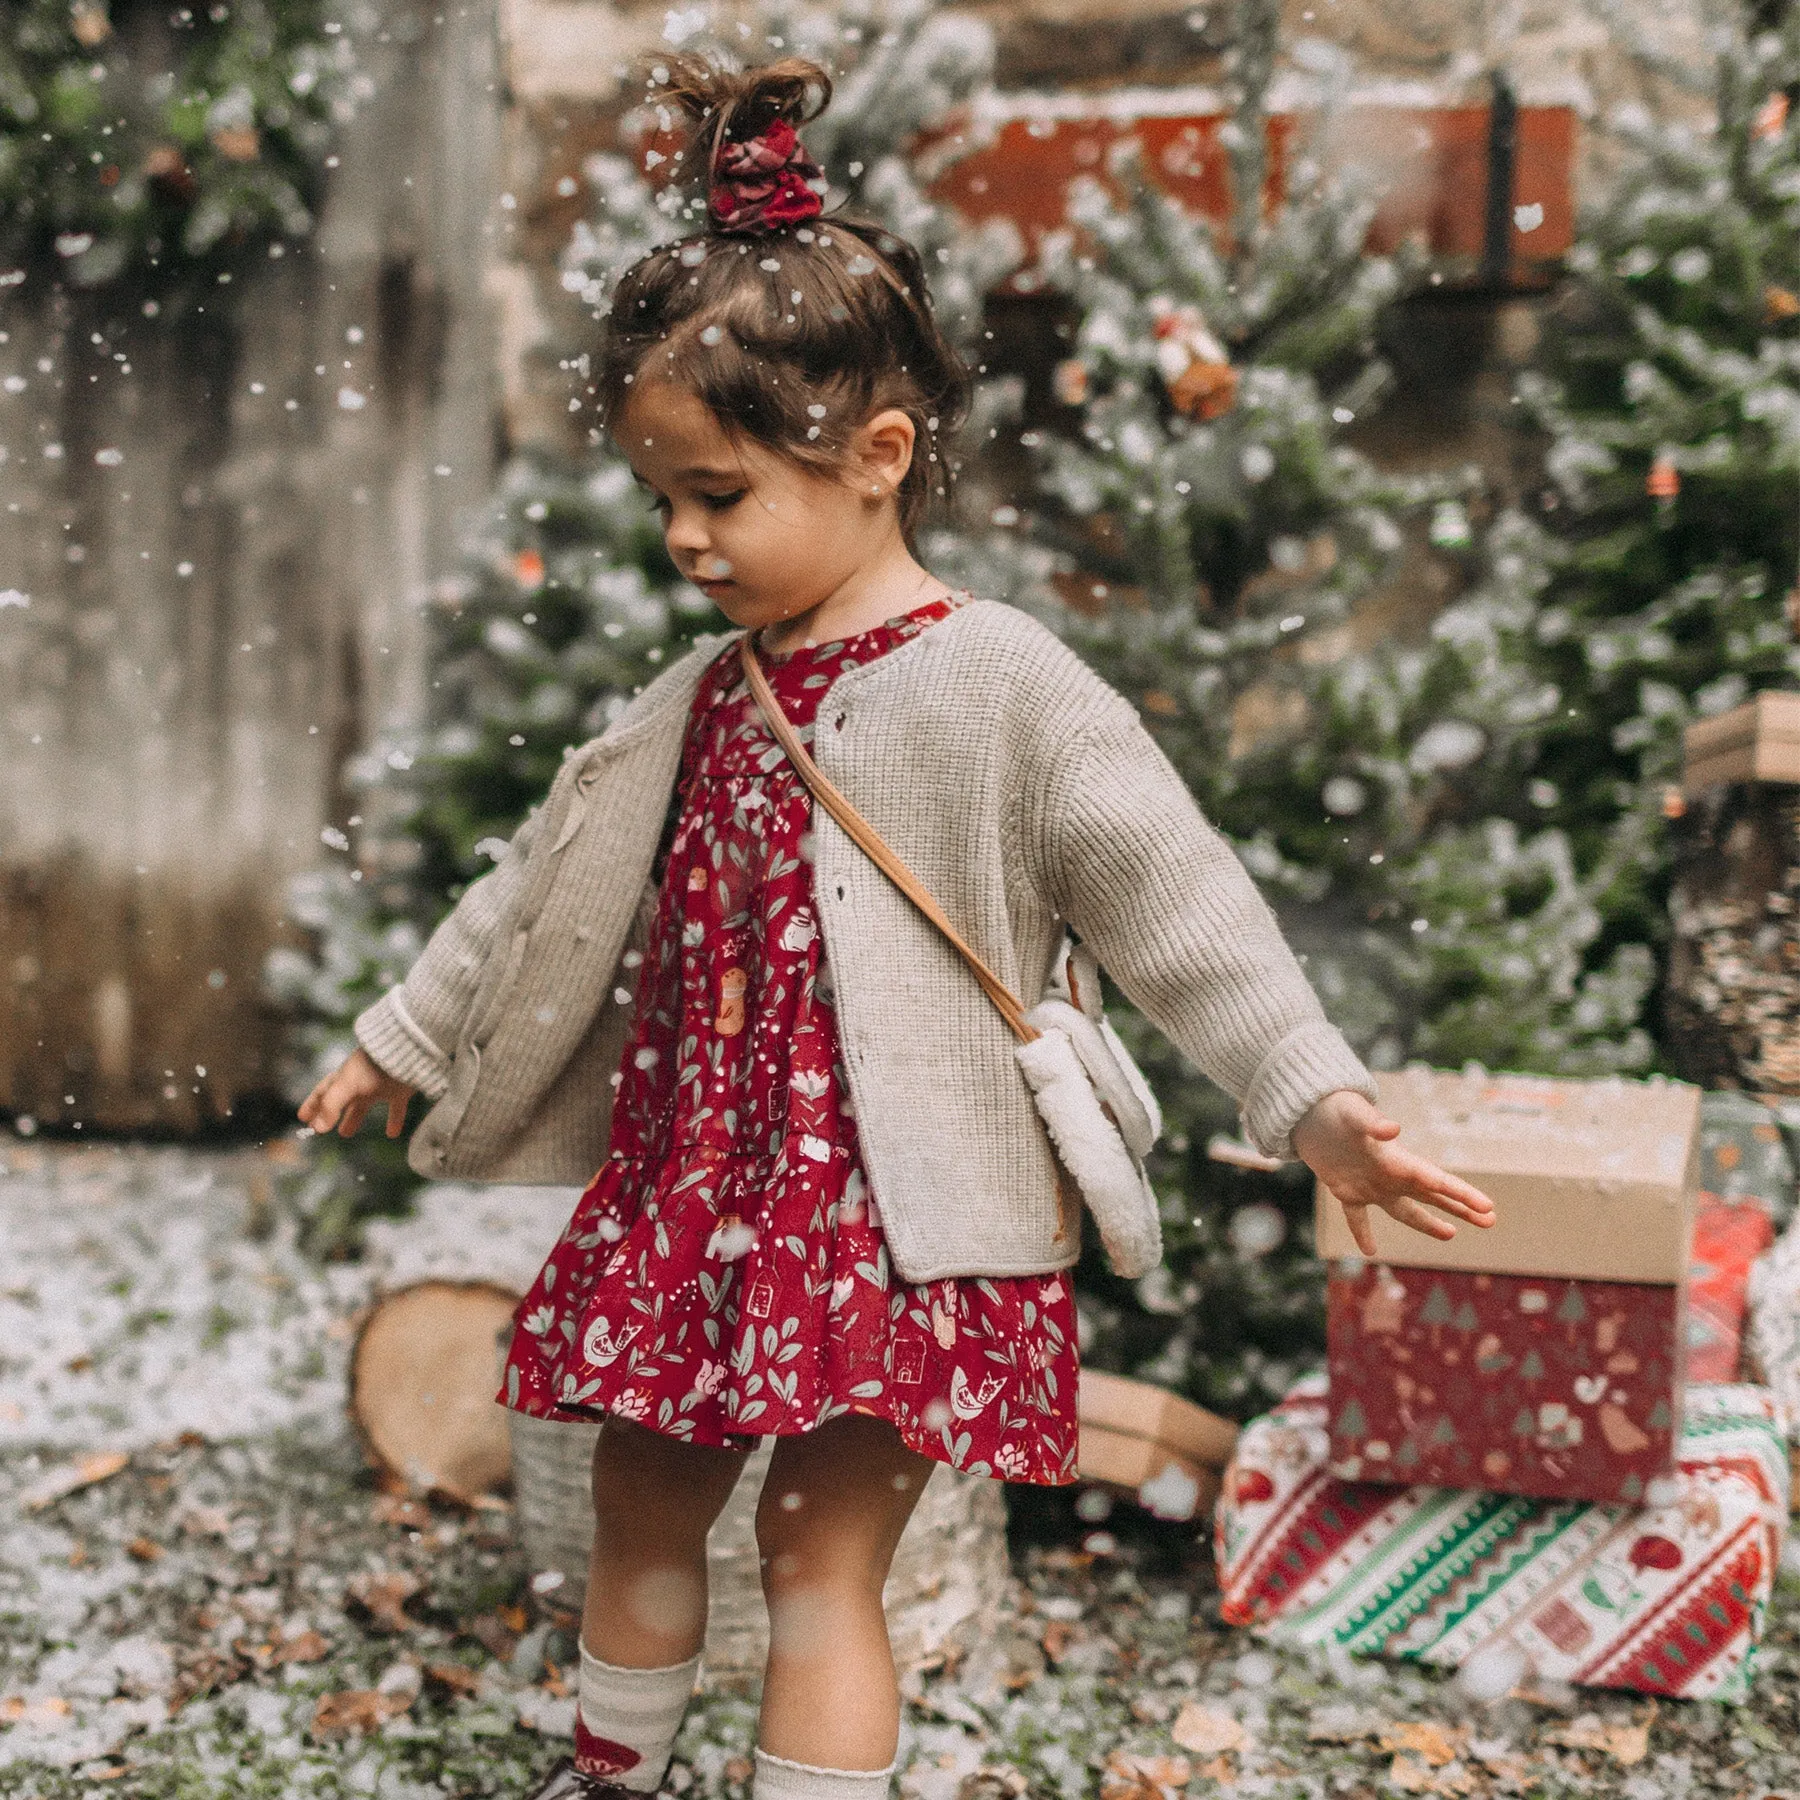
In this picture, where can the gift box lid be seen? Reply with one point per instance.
(1592, 1180)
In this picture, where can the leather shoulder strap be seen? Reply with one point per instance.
(871, 842)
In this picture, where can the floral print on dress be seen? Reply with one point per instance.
(724, 1276)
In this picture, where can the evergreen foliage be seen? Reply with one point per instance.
(1372, 759)
(1669, 393)
(161, 150)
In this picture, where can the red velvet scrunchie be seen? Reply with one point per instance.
(764, 182)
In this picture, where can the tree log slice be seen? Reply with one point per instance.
(423, 1374)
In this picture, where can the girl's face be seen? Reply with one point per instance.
(762, 537)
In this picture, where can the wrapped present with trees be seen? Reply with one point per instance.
(1548, 1354)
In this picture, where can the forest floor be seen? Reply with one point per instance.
(203, 1593)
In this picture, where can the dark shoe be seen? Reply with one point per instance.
(566, 1782)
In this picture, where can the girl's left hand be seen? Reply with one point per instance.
(1350, 1146)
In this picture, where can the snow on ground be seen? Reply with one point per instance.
(238, 1611)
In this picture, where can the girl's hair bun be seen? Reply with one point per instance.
(732, 105)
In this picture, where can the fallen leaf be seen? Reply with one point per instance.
(201, 1672)
(1131, 1777)
(1625, 1742)
(303, 1647)
(1437, 1744)
(1411, 1776)
(355, 1711)
(514, 1618)
(1208, 1733)
(737, 1770)
(1059, 1634)
(277, 1652)
(101, 1465)
(457, 1677)
(205, 1521)
(384, 1597)
(145, 1550)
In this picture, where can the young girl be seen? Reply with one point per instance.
(826, 1209)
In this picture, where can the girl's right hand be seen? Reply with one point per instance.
(342, 1100)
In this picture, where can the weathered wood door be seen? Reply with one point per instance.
(216, 539)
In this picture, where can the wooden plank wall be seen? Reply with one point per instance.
(215, 539)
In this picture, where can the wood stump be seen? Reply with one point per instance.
(422, 1379)
(1731, 1003)
(948, 1579)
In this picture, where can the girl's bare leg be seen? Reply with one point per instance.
(655, 1499)
(831, 1515)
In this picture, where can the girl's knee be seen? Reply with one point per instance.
(835, 1552)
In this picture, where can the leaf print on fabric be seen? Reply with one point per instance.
(732, 1227)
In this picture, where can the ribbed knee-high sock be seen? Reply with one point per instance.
(626, 1720)
(779, 1779)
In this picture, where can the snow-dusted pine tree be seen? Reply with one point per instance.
(1250, 579)
(1670, 396)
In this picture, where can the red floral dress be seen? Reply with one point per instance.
(724, 1277)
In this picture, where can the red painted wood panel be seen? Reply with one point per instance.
(1431, 162)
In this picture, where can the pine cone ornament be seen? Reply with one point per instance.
(1194, 366)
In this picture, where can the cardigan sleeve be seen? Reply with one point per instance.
(1174, 917)
(412, 1030)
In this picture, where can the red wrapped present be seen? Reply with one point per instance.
(1729, 1235)
(1546, 1356)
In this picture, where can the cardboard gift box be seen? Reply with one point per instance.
(1546, 1355)
(1666, 1598)
(1140, 1409)
(1166, 1451)
(1758, 741)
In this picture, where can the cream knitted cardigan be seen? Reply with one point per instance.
(1023, 791)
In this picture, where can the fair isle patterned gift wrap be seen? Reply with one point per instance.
(1666, 1598)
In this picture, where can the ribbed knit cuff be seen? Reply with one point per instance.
(779, 1779)
(399, 1048)
(627, 1719)
(1309, 1063)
